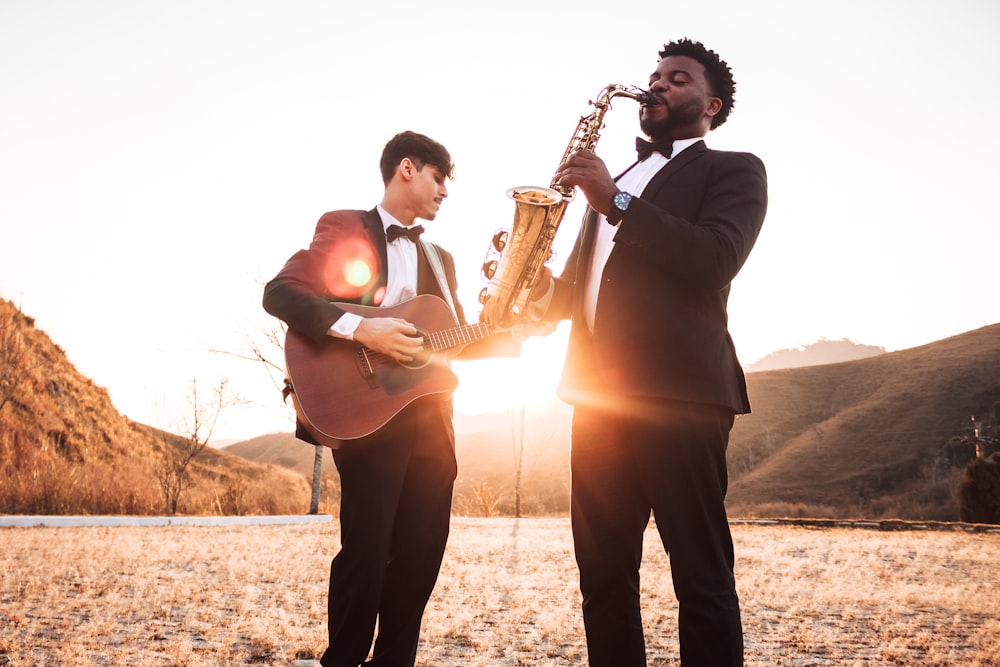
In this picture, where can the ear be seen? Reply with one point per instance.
(714, 107)
(406, 168)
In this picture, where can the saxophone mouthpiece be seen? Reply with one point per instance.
(648, 99)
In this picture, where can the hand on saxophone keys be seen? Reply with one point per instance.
(588, 172)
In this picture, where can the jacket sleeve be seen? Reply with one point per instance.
(706, 245)
(294, 296)
(302, 292)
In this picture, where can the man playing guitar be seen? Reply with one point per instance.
(350, 298)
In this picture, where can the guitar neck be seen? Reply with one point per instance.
(446, 339)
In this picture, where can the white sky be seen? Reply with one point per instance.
(159, 159)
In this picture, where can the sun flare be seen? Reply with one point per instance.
(495, 385)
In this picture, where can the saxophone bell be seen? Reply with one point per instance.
(523, 249)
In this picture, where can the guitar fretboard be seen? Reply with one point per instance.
(448, 338)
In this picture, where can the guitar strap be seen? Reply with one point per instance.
(437, 266)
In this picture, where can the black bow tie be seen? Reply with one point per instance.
(412, 233)
(645, 149)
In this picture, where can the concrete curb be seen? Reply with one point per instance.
(30, 521)
(883, 524)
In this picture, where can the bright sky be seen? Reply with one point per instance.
(158, 160)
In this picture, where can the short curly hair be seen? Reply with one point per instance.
(720, 77)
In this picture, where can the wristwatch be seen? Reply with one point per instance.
(619, 204)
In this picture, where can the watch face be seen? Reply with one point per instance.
(622, 200)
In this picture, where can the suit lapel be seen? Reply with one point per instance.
(376, 231)
(684, 158)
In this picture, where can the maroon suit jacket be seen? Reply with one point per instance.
(347, 262)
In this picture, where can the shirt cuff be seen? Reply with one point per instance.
(534, 310)
(345, 326)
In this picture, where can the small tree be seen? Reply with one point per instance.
(263, 346)
(979, 496)
(194, 429)
(486, 498)
(517, 419)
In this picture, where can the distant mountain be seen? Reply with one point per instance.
(823, 351)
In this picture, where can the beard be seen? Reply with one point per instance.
(655, 128)
(683, 115)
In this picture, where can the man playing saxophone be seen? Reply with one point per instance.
(651, 370)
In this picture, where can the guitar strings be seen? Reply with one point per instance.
(440, 340)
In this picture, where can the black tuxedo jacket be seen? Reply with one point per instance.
(661, 325)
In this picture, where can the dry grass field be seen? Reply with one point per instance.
(507, 596)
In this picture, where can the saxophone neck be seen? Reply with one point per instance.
(588, 130)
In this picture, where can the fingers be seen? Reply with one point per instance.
(391, 336)
(582, 169)
(588, 172)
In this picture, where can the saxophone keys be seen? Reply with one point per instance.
(490, 268)
(500, 239)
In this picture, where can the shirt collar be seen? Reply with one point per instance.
(681, 144)
(387, 218)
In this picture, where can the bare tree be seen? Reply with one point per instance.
(517, 419)
(264, 345)
(194, 430)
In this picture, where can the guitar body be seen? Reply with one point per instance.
(343, 391)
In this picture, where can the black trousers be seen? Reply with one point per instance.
(395, 512)
(669, 459)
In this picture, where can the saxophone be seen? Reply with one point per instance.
(527, 245)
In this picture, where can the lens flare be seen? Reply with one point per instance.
(352, 269)
(358, 273)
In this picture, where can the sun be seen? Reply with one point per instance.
(496, 385)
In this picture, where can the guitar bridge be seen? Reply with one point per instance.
(364, 363)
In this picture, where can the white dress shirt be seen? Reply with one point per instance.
(401, 255)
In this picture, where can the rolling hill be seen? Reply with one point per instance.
(64, 449)
(870, 437)
(867, 437)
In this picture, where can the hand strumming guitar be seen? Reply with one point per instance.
(391, 336)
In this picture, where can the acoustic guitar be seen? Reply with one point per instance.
(343, 390)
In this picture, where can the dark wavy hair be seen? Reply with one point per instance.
(720, 77)
(420, 149)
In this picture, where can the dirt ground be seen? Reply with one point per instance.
(507, 596)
